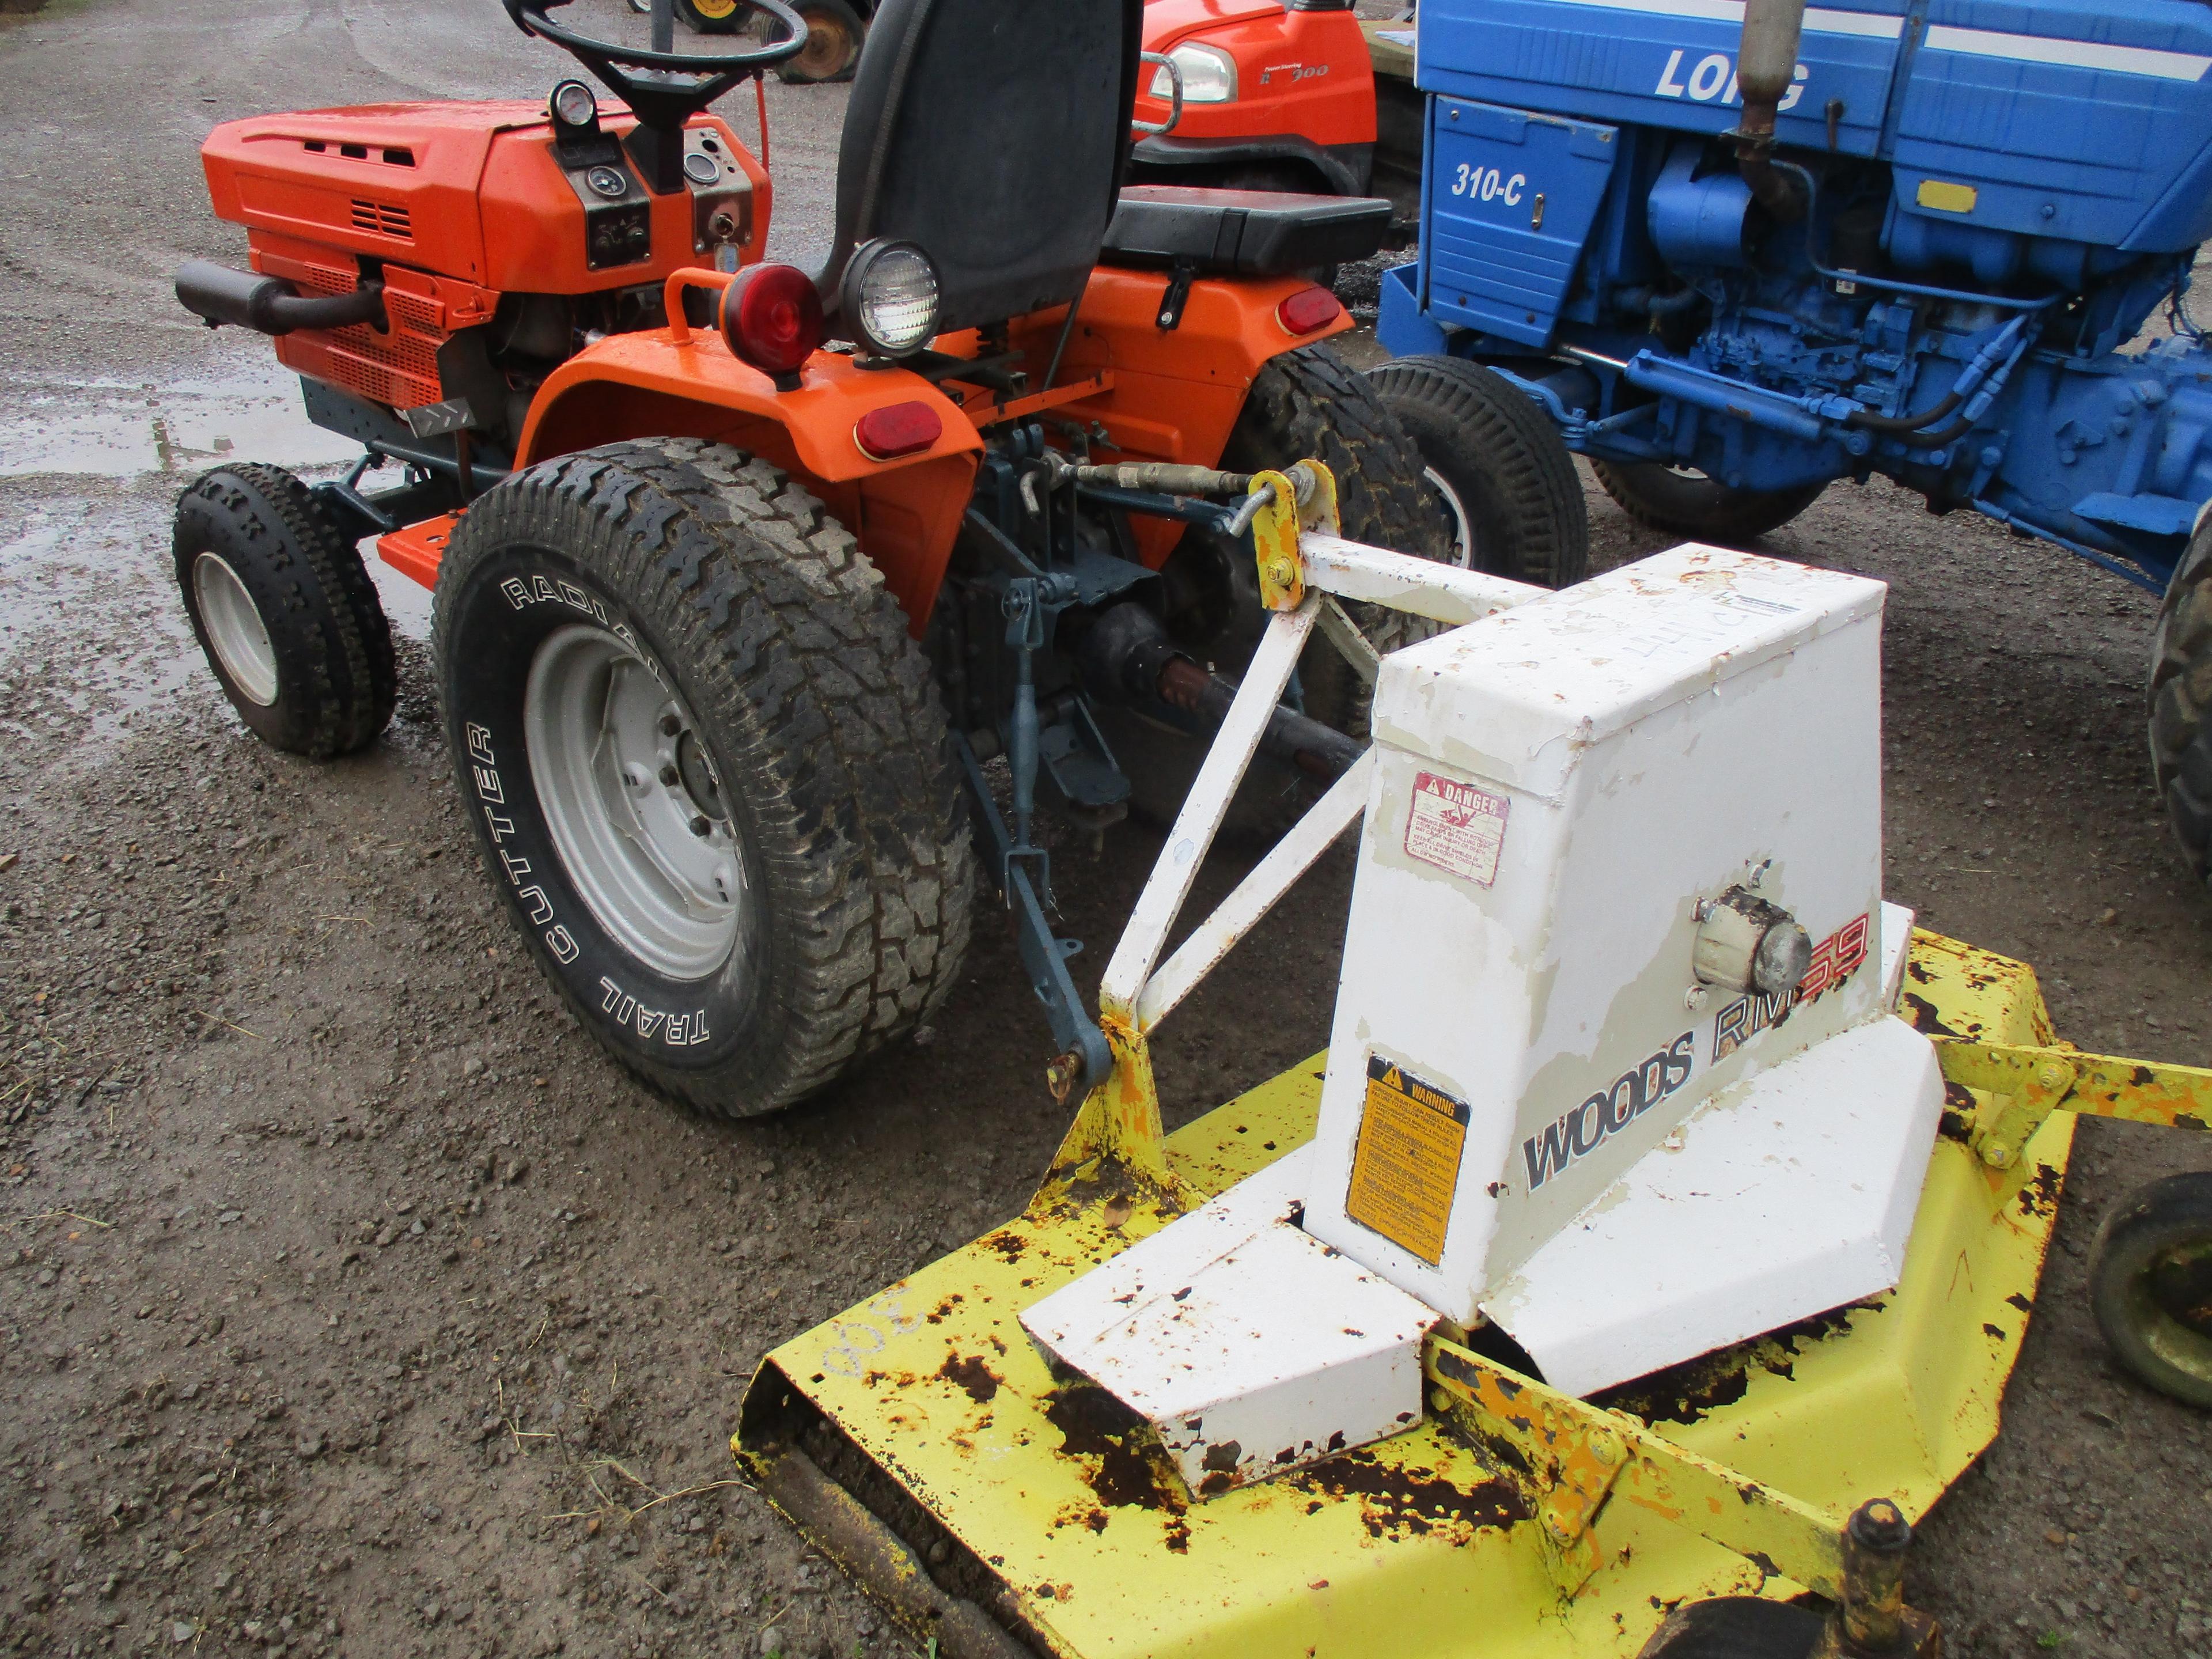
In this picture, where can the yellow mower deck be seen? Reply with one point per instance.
(990, 1494)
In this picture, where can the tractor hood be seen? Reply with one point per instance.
(1171, 22)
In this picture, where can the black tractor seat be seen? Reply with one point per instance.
(1240, 232)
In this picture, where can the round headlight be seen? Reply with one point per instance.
(891, 298)
(574, 105)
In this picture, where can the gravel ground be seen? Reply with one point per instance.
(351, 1303)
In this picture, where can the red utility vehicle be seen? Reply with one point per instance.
(1277, 94)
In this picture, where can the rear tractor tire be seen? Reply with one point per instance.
(2181, 704)
(835, 34)
(707, 768)
(1500, 468)
(285, 610)
(1685, 503)
(1305, 404)
(2150, 1285)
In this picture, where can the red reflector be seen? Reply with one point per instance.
(771, 317)
(897, 429)
(1308, 309)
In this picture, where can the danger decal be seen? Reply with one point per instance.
(1404, 1171)
(1835, 959)
(1456, 827)
(1577, 1134)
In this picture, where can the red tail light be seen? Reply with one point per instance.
(772, 318)
(1308, 309)
(897, 429)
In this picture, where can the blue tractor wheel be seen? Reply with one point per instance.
(1685, 503)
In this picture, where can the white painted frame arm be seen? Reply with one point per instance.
(1257, 894)
(1135, 984)
(1205, 806)
(1401, 581)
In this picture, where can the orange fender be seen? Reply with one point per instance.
(906, 513)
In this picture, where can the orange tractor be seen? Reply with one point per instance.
(745, 576)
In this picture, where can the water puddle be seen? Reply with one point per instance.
(110, 429)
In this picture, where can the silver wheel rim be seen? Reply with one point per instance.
(1462, 528)
(633, 803)
(235, 629)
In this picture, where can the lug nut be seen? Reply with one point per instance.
(700, 827)
(670, 725)
(669, 775)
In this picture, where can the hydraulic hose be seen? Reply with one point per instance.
(1998, 355)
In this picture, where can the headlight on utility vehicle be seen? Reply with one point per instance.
(1209, 75)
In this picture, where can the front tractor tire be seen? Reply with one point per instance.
(707, 768)
(1681, 502)
(283, 607)
(1500, 468)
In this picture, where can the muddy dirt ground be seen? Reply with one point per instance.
(350, 1304)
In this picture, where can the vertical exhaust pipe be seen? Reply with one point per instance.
(1767, 65)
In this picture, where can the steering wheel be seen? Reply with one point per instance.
(671, 87)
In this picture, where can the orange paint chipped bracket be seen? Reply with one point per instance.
(413, 550)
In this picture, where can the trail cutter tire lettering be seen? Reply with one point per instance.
(2180, 697)
(257, 554)
(1512, 483)
(816, 727)
(1306, 403)
(1690, 504)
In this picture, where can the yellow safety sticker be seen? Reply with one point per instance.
(1406, 1169)
(1946, 197)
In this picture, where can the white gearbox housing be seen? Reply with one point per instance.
(1560, 791)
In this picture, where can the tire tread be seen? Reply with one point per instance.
(853, 755)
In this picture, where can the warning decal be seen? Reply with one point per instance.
(1406, 1169)
(1456, 827)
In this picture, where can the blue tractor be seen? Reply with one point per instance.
(1733, 253)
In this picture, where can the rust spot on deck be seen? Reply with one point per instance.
(1008, 1243)
(2039, 1197)
(1094, 1426)
(980, 1381)
(1688, 1392)
(1398, 1502)
(1959, 1107)
(1924, 1018)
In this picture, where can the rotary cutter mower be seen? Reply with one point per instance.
(1647, 1250)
